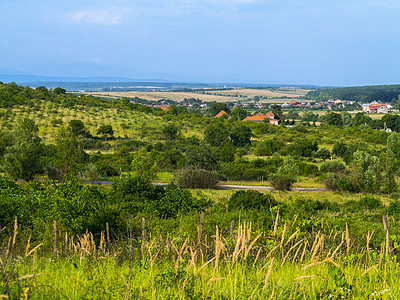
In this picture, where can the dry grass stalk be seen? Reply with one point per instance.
(256, 259)
(318, 247)
(247, 249)
(369, 269)
(15, 231)
(306, 276)
(292, 236)
(232, 228)
(29, 276)
(369, 237)
(219, 246)
(276, 222)
(33, 250)
(206, 264)
(283, 237)
(297, 251)
(28, 244)
(348, 242)
(215, 279)
(336, 250)
(287, 254)
(304, 251)
(268, 273)
(55, 250)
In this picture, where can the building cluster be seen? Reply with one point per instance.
(376, 107)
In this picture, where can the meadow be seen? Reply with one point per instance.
(225, 95)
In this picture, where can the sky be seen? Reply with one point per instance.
(318, 42)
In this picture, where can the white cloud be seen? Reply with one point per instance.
(95, 17)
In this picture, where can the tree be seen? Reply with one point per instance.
(22, 160)
(202, 157)
(105, 130)
(361, 119)
(346, 117)
(143, 164)
(216, 107)
(277, 111)
(170, 131)
(323, 153)
(286, 175)
(309, 116)
(216, 134)
(334, 119)
(77, 128)
(69, 153)
(392, 122)
(241, 136)
(238, 113)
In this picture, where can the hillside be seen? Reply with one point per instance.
(365, 94)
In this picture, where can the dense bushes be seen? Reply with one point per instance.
(197, 178)
(251, 199)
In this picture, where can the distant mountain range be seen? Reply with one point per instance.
(92, 76)
(80, 72)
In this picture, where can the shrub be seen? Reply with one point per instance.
(251, 199)
(197, 178)
(286, 175)
(369, 202)
(331, 166)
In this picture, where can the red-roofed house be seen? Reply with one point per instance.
(221, 113)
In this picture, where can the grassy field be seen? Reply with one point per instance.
(209, 96)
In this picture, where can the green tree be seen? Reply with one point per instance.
(334, 119)
(22, 160)
(277, 111)
(241, 136)
(170, 131)
(106, 131)
(238, 113)
(143, 164)
(216, 107)
(346, 117)
(69, 153)
(286, 175)
(216, 134)
(77, 128)
(309, 116)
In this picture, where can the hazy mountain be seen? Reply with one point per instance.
(85, 69)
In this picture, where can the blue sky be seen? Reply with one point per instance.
(342, 42)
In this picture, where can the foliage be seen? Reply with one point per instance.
(216, 134)
(251, 199)
(286, 175)
(22, 159)
(197, 178)
(144, 164)
(241, 136)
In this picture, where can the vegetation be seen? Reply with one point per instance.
(366, 94)
(63, 238)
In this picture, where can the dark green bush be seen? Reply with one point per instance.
(369, 202)
(331, 166)
(251, 199)
(197, 178)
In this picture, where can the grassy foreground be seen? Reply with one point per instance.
(242, 263)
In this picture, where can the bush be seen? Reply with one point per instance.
(251, 199)
(197, 178)
(331, 166)
(369, 202)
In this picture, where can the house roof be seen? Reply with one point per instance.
(256, 118)
(221, 113)
(164, 108)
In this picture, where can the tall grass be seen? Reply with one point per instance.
(281, 263)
